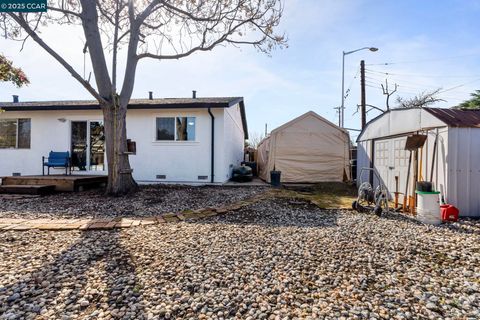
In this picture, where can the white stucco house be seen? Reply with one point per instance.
(194, 140)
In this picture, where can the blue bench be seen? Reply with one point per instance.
(57, 160)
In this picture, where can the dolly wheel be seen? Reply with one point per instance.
(378, 211)
(355, 205)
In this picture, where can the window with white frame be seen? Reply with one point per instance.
(381, 153)
(15, 133)
(175, 129)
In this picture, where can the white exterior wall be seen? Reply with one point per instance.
(180, 161)
(234, 140)
(464, 170)
(47, 134)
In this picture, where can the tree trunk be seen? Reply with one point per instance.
(120, 180)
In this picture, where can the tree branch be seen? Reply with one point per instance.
(95, 47)
(21, 21)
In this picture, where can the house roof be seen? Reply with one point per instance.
(457, 117)
(165, 103)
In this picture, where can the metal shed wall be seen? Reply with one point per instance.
(456, 169)
(464, 170)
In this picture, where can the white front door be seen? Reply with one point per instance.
(87, 146)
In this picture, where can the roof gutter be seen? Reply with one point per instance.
(212, 150)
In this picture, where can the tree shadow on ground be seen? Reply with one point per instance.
(277, 213)
(60, 288)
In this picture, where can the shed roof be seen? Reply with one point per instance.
(165, 103)
(457, 117)
(401, 121)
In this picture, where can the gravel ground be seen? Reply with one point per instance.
(275, 259)
(149, 200)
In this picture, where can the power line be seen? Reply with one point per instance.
(419, 75)
(401, 83)
(347, 92)
(422, 60)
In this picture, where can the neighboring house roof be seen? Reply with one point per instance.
(457, 117)
(166, 103)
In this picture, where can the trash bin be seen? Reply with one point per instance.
(428, 207)
(275, 178)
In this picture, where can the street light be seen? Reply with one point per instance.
(341, 115)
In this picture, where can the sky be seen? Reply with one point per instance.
(423, 45)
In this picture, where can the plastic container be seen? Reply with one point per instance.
(449, 212)
(428, 207)
(275, 177)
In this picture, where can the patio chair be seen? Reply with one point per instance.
(57, 160)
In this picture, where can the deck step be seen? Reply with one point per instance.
(62, 183)
(27, 189)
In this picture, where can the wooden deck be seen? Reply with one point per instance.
(67, 183)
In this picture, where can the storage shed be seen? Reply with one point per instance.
(449, 158)
(307, 149)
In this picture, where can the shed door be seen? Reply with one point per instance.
(391, 160)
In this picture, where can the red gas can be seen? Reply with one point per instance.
(449, 212)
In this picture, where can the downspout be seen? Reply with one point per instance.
(212, 153)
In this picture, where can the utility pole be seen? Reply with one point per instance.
(363, 103)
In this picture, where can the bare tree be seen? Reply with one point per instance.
(421, 100)
(155, 29)
(254, 139)
(388, 93)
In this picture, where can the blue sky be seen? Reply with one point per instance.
(430, 44)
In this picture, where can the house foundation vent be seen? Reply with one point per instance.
(202, 177)
(161, 176)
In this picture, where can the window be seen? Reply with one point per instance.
(165, 128)
(15, 133)
(185, 129)
(175, 129)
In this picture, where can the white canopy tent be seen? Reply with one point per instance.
(307, 149)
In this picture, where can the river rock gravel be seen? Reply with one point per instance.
(149, 200)
(274, 259)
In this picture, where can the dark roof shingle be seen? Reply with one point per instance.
(165, 103)
(213, 102)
